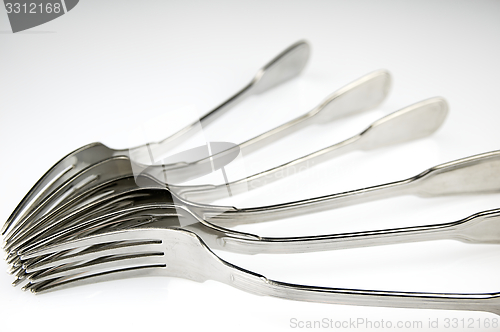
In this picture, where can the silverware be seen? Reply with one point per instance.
(177, 252)
(413, 122)
(103, 214)
(283, 67)
(475, 174)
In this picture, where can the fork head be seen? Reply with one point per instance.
(85, 179)
(75, 215)
(160, 252)
(65, 169)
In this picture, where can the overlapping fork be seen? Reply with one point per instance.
(476, 174)
(137, 239)
(99, 214)
(362, 94)
(285, 66)
(413, 122)
(163, 247)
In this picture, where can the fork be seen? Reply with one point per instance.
(176, 252)
(283, 67)
(475, 174)
(361, 95)
(413, 122)
(98, 249)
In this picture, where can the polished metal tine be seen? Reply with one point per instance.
(56, 175)
(78, 227)
(86, 217)
(285, 66)
(99, 174)
(44, 259)
(80, 256)
(14, 270)
(113, 249)
(413, 122)
(13, 259)
(30, 266)
(106, 238)
(149, 215)
(101, 265)
(185, 255)
(63, 283)
(114, 256)
(107, 202)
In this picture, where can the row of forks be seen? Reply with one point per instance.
(102, 214)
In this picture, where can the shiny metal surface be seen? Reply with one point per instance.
(98, 214)
(362, 94)
(111, 243)
(183, 254)
(81, 217)
(479, 174)
(413, 122)
(286, 65)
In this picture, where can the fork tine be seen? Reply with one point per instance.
(60, 172)
(101, 265)
(78, 257)
(119, 249)
(62, 283)
(106, 238)
(94, 209)
(15, 269)
(84, 208)
(97, 173)
(86, 198)
(49, 226)
(130, 217)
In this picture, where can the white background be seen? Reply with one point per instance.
(97, 72)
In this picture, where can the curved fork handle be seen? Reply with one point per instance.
(287, 65)
(220, 270)
(413, 122)
(361, 95)
(482, 227)
(257, 284)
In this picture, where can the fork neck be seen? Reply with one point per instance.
(207, 194)
(312, 205)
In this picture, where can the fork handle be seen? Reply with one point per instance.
(260, 285)
(482, 227)
(285, 66)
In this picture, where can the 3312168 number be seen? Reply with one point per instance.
(33, 8)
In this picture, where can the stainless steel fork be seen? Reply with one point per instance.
(92, 217)
(413, 122)
(177, 252)
(478, 174)
(168, 239)
(285, 66)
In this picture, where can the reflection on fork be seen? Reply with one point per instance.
(102, 214)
